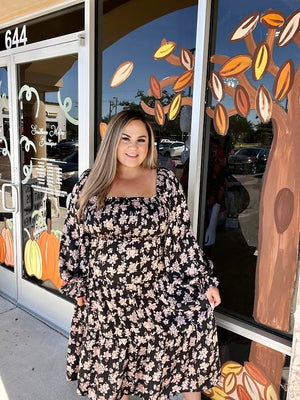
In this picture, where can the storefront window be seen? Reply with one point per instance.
(151, 68)
(48, 94)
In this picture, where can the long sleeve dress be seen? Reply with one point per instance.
(147, 327)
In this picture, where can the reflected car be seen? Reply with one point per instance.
(63, 149)
(248, 160)
(171, 149)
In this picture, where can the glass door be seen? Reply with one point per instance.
(8, 199)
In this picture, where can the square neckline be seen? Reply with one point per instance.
(139, 197)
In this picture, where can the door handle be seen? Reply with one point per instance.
(14, 192)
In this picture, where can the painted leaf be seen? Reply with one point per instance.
(242, 393)
(186, 58)
(255, 373)
(164, 50)
(283, 209)
(235, 65)
(284, 80)
(175, 107)
(230, 383)
(208, 393)
(183, 81)
(270, 393)
(251, 387)
(241, 101)
(155, 86)
(264, 104)
(289, 29)
(121, 74)
(218, 393)
(261, 60)
(245, 27)
(272, 19)
(231, 367)
(217, 85)
(159, 113)
(102, 128)
(221, 120)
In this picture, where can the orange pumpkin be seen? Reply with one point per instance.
(49, 245)
(2, 249)
(9, 245)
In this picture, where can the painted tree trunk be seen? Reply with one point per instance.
(278, 240)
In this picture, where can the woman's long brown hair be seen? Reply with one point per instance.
(104, 169)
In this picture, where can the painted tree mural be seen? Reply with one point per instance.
(280, 198)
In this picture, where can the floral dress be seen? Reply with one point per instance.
(147, 327)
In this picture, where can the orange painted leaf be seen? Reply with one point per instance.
(255, 373)
(284, 80)
(175, 107)
(261, 60)
(102, 128)
(183, 81)
(289, 29)
(231, 367)
(186, 58)
(264, 104)
(270, 393)
(121, 74)
(221, 120)
(164, 50)
(245, 27)
(242, 393)
(241, 101)
(272, 19)
(230, 383)
(159, 113)
(155, 86)
(251, 387)
(217, 85)
(235, 65)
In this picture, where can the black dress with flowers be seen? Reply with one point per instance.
(147, 328)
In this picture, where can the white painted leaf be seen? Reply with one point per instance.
(264, 104)
(217, 86)
(289, 29)
(245, 27)
(251, 387)
(121, 74)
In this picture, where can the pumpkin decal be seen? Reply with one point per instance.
(9, 245)
(33, 257)
(2, 249)
(49, 246)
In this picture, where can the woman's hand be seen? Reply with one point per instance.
(81, 301)
(213, 296)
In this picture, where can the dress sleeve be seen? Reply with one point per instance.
(188, 267)
(74, 248)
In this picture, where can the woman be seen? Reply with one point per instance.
(143, 323)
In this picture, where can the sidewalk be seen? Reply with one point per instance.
(33, 358)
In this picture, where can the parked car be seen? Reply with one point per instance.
(171, 148)
(248, 160)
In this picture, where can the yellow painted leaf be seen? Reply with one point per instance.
(289, 29)
(159, 113)
(241, 101)
(272, 19)
(186, 58)
(175, 107)
(164, 50)
(121, 74)
(264, 104)
(183, 81)
(261, 59)
(230, 383)
(231, 367)
(284, 80)
(245, 27)
(218, 393)
(208, 393)
(235, 66)
(251, 387)
(217, 85)
(155, 86)
(270, 393)
(102, 128)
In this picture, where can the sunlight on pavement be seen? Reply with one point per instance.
(3, 394)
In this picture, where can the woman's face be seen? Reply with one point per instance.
(133, 145)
